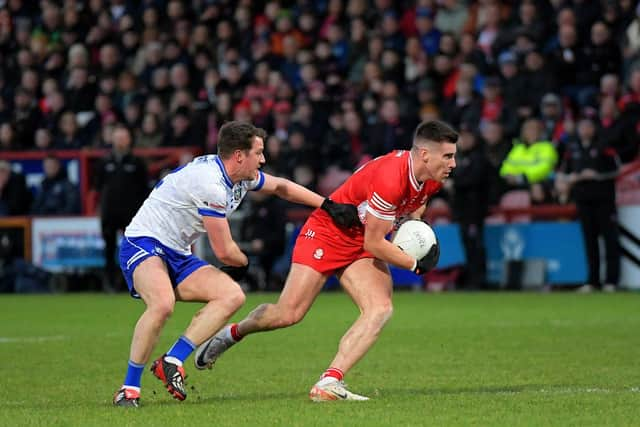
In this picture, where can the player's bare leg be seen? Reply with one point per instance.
(223, 297)
(152, 282)
(368, 283)
(154, 287)
(301, 288)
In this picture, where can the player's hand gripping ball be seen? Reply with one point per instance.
(417, 239)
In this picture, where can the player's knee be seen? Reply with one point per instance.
(234, 300)
(289, 317)
(163, 309)
(380, 314)
(237, 299)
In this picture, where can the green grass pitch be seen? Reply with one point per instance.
(449, 359)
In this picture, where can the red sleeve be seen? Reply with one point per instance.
(385, 194)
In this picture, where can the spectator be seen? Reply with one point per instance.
(429, 35)
(496, 148)
(335, 148)
(180, 133)
(465, 106)
(80, 92)
(531, 162)
(391, 132)
(150, 133)
(451, 17)
(538, 79)
(512, 83)
(468, 189)
(57, 195)
(264, 233)
(631, 46)
(25, 118)
(552, 118)
(7, 137)
(617, 131)
(602, 56)
(43, 139)
(567, 58)
(122, 181)
(493, 107)
(68, 133)
(15, 197)
(588, 171)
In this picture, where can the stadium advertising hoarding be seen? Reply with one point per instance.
(559, 244)
(69, 243)
(630, 244)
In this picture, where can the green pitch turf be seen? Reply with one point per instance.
(450, 359)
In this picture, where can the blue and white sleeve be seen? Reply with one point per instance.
(257, 183)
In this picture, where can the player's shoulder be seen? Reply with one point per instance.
(391, 167)
(396, 158)
(204, 172)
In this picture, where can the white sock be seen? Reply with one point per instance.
(226, 334)
(173, 360)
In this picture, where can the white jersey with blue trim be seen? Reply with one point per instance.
(173, 211)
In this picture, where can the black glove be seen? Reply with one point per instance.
(236, 273)
(344, 215)
(427, 262)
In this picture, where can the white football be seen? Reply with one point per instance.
(415, 237)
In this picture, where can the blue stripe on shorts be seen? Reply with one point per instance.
(134, 250)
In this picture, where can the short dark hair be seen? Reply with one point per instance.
(237, 135)
(435, 131)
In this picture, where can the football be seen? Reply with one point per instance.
(415, 237)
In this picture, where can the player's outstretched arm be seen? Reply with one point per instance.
(342, 214)
(375, 231)
(289, 190)
(222, 243)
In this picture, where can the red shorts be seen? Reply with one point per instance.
(325, 247)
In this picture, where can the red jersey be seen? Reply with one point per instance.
(385, 187)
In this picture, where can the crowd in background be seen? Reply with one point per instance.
(531, 84)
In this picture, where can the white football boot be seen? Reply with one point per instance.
(329, 388)
(210, 350)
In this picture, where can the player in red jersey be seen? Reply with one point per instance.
(385, 189)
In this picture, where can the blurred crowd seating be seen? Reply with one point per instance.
(334, 82)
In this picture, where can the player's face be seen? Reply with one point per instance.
(439, 159)
(254, 158)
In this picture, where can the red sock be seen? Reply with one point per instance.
(234, 333)
(333, 372)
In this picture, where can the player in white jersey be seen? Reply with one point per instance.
(156, 259)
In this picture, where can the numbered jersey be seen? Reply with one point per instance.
(386, 187)
(173, 211)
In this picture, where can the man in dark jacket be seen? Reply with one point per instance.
(469, 189)
(121, 178)
(57, 195)
(263, 231)
(15, 197)
(589, 171)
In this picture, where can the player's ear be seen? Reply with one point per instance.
(425, 153)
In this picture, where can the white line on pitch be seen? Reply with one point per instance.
(8, 340)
